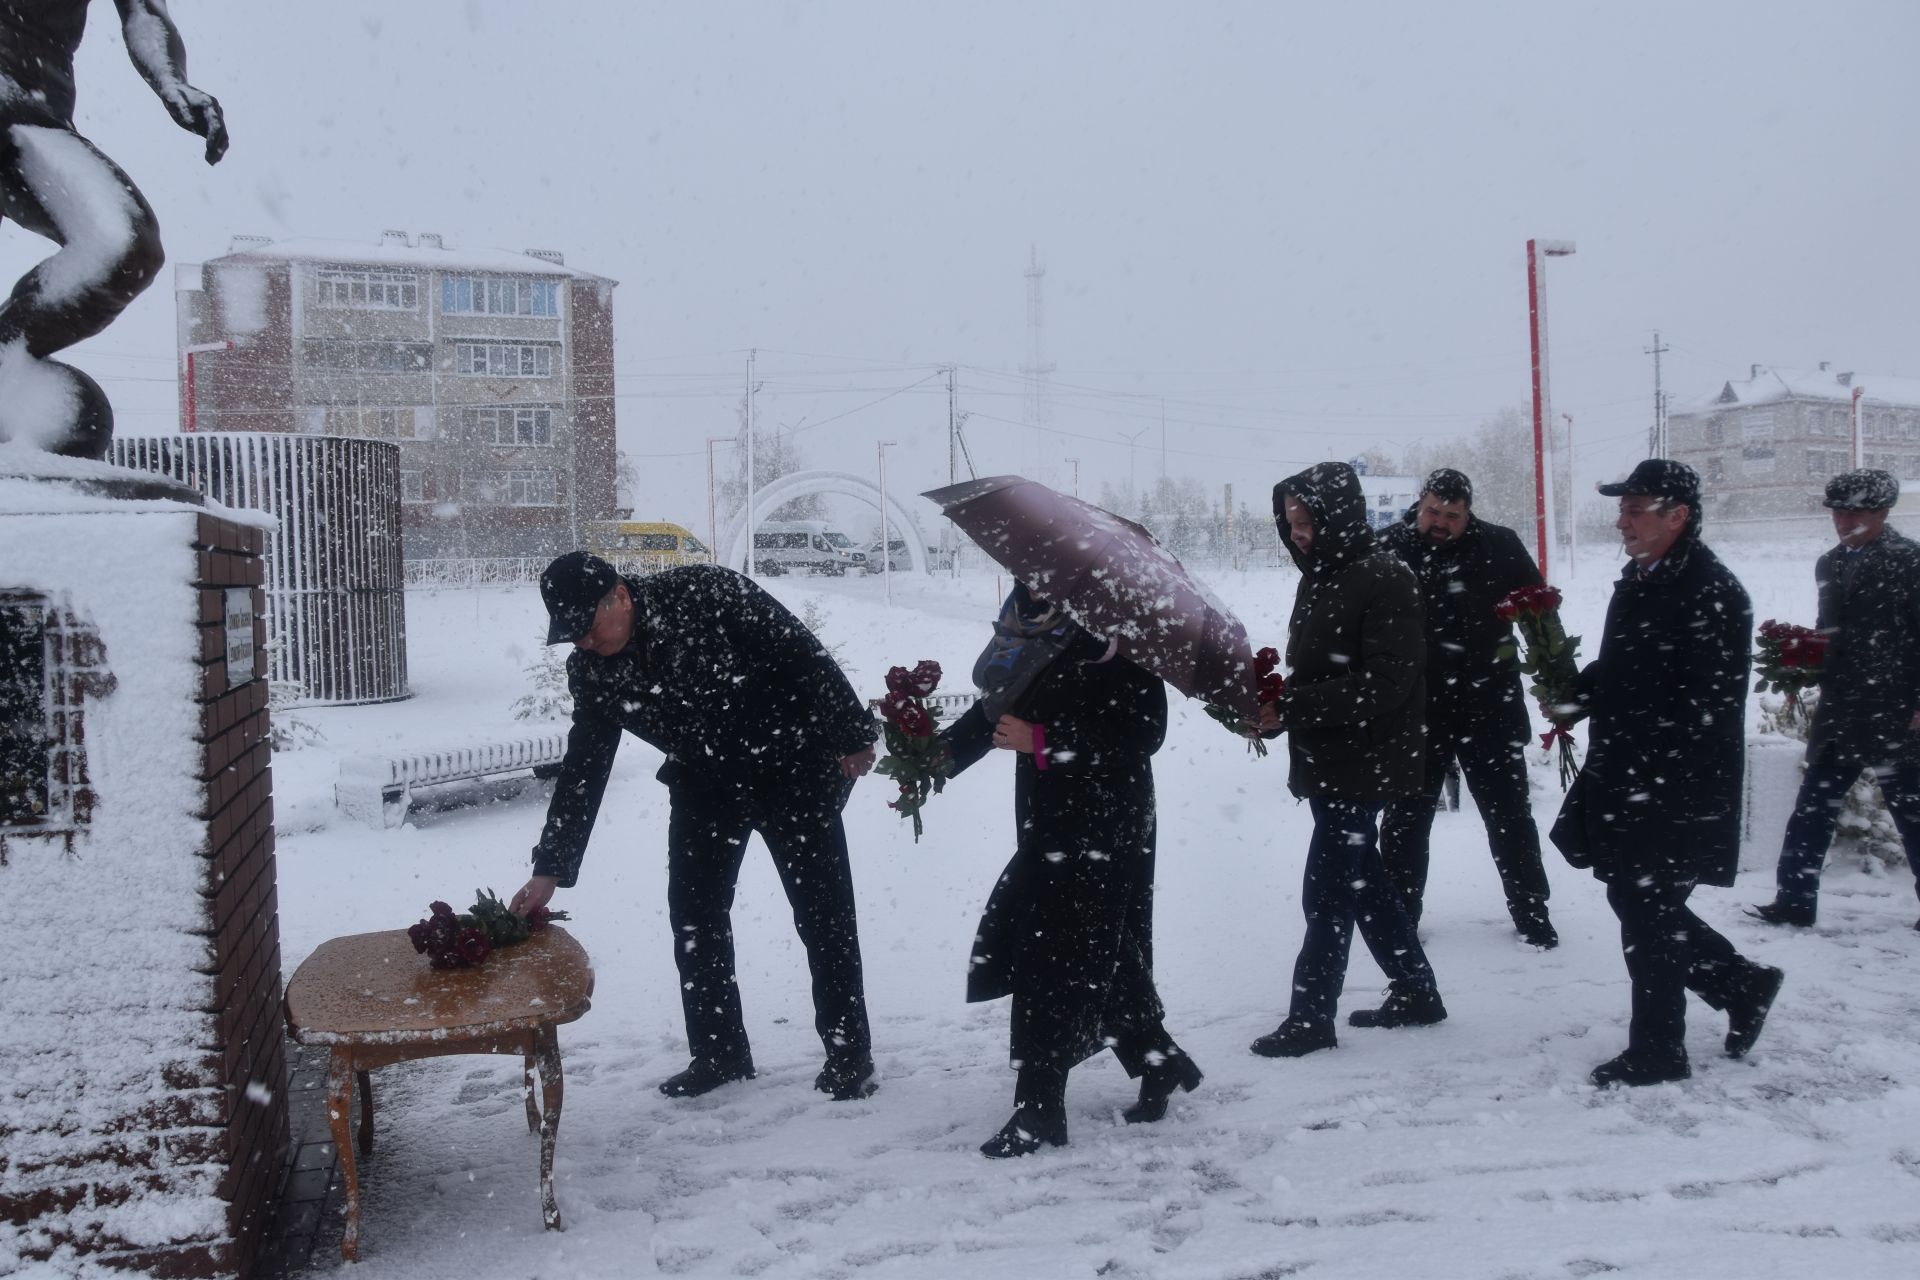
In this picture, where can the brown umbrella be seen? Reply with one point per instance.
(1113, 579)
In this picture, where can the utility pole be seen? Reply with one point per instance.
(713, 531)
(1233, 550)
(1163, 437)
(886, 545)
(1075, 463)
(751, 558)
(953, 434)
(1657, 437)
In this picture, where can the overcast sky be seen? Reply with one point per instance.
(1302, 227)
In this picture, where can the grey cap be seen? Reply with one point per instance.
(1867, 489)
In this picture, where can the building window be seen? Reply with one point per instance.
(512, 488)
(379, 423)
(478, 296)
(1716, 469)
(413, 486)
(511, 425)
(503, 359)
(1756, 424)
(1757, 460)
(1816, 422)
(370, 290)
(1716, 432)
(369, 357)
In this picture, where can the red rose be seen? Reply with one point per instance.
(899, 680)
(926, 677)
(418, 936)
(1506, 610)
(1546, 598)
(892, 704)
(913, 721)
(1266, 662)
(440, 908)
(1271, 687)
(474, 947)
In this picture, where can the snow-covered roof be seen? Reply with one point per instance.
(421, 253)
(1770, 386)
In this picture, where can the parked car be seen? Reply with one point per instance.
(897, 557)
(645, 546)
(804, 546)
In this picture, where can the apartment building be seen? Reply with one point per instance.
(491, 370)
(1766, 445)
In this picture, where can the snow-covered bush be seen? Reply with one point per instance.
(548, 699)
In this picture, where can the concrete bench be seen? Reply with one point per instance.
(377, 790)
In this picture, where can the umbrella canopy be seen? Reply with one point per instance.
(1113, 579)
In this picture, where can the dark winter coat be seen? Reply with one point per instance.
(1471, 668)
(1660, 789)
(1077, 894)
(1870, 686)
(719, 676)
(1354, 710)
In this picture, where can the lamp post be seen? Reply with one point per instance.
(713, 530)
(1859, 454)
(192, 422)
(1537, 250)
(1133, 488)
(886, 547)
(1075, 463)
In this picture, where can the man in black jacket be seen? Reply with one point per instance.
(1476, 713)
(761, 732)
(1352, 712)
(1656, 808)
(1869, 590)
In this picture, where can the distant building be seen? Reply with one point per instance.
(492, 370)
(1767, 445)
(1388, 497)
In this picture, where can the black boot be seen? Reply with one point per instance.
(1632, 1068)
(1780, 911)
(1407, 1005)
(847, 1078)
(1531, 922)
(1039, 1114)
(1295, 1038)
(703, 1075)
(1174, 1070)
(1747, 1007)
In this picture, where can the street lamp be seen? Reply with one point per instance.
(886, 547)
(1075, 462)
(1133, 489)
(1542, 411)
(713, 531)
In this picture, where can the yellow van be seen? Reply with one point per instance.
(645, 546)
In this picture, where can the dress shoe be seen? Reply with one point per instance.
(703, 1076)
(1406, 1005)
(1778, 912)
(1632, 1069)
(1157, 1083)
(847, 1079)
(1747, 1010)
(1534, 927)
(1295, 1038)
(1024, 1134)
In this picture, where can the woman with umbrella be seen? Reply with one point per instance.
(1068, 928)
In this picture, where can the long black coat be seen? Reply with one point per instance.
(1659, 792)
(1355, 706)
(1870, 607)
(1077, 896)
(734, 689)
(1472, 671)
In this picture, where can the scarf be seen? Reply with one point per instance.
(1028, 636)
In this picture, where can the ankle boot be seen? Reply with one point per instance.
(1531, 921)
(1174, 1070)
(1039, 1114)
(1747, 1007)
(1295, 1038)
(1780, 911)
(1407, 1004)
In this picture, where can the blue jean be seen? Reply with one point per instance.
(1347, 885)
(1817, 812)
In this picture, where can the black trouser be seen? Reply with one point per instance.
(1346, 885)
(1816, 813)
(706, 838)
(1669, 951)
(1490, 744)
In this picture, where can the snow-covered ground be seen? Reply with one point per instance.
(1475, 1148)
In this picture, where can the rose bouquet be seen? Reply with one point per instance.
(452, 941)
(916, 758)
(1271, 684)
(1791, 661)
(1549, 658)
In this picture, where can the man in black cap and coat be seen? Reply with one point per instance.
(1869, 707)
(1476, 712)
(761, 732)
(1656, 808)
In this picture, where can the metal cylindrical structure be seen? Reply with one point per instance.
(336, 591)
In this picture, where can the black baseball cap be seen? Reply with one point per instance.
(1659, 478)
(1868, 489)
(572, 587)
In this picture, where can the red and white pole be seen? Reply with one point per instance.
(1542, 400)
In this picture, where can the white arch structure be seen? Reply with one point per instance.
(805, 484)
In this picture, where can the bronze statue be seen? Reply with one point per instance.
(55, 182)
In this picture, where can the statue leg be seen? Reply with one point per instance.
(58, 184)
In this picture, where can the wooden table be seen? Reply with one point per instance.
(375, 1001)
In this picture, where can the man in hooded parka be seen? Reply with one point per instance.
(1869, 590)
(1656, 808)
(1352, 710)
(1476, 712)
